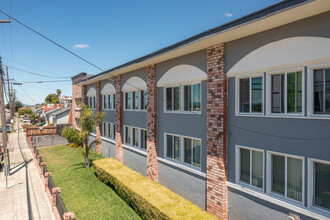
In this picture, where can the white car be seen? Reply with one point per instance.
(26, 121)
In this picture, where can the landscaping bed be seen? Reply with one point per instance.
(81, 190)
(148, 198)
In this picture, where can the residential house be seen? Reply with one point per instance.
(235, 119)
(61, 117)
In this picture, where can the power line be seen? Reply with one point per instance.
(43, 36)
(38, 74)
(47, 81)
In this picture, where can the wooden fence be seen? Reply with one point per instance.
(39, 131)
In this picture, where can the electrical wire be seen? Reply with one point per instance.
(37, 74)
(43, 36)
(47, 81)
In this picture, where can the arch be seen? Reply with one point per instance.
(91, 92)
(282, 54)
(134, 83)
(108, 88)
(181, 74)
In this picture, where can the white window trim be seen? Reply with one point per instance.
(181, 100)
(237, 95)
(107, 95)
(139, 102)
(182, 151)
(131, 139)
(310, 91)
(181, 156)
(269, 178)
(91, 105)
(238, 165)
(269, 95)
(310, 188)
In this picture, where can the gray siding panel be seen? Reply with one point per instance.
(135, 161)
(108, 149)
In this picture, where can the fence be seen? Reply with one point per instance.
(36, 131)
(53, 192)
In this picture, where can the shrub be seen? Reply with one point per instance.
(71, 135)
(74, 145)
(51, 124)
(148, 198)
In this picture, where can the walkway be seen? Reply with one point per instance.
(25, 197)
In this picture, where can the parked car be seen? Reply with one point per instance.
(26, 120)
(41, 123)
(8, 128)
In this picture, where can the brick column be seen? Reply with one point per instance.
(119, 121)
(83, 95)
(216, 132)
(98, 109)
(152, 166)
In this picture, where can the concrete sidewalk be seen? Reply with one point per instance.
(25, 197)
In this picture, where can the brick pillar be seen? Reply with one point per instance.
(99, 125)
(83, 95)
(152, 166)
(119, 121)
(216, 132)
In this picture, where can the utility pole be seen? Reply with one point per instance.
(2, 112)
(13, 102)
(9, 92)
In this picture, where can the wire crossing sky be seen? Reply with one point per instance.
(105, 33)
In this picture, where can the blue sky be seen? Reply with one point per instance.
(108, 33)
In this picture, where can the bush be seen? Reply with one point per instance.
(74, 145)
(148, 198)
(51, 124)
(71, 135)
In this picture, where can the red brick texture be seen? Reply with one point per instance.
(119, 121)
(152, 166)
(99, 125)
(216, 132)
(77, 93)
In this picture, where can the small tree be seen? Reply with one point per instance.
(87, 123)
(58, 92)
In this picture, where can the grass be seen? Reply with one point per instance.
(82, 192)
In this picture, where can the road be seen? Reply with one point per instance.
(25, 196)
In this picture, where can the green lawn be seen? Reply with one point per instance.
(82, 192)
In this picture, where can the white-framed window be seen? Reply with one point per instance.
(91, 102)
(319, 185)
(183, 98)
(184, 150)
(104, 129)
(136, 137)
(321, 91)
(109, 130)
(108, 102)
(135, 100)
(250, 94)
(250, 167)
(285, 93)
(285, 176)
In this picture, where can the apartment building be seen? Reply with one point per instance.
(235, 119)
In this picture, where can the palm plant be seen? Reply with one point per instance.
(87, 123)
(58, 92)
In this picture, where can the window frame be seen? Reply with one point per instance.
(131, 139)
(139, 101)
(181, 98)
(238, 166)
(181, 150)
(269, 92)
(269, 178)
(238, 99)
(111, 95)
(310, 91)
(310, 188)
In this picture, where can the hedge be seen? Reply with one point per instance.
(148, 198)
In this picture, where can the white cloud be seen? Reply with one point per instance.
(80, 46)
(228, 14)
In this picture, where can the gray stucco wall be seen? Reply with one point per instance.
(316, 26)
(62, 118)
(186, 184)
(136, 161)
(108, 149)
(301, 136)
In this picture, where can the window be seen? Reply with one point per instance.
(111, 131)
(321, 89)
(286, 92)
(192, 151)
(104, 129)
(251, 167)
(91, 102)
(108, 101)
(94, 102)
(136, 137)
(287, 176)
(135, 134)
(144, 100)
(105, 101)
(321, 185)
(136, 100)
(251, 95)
(192, 97)
(173, 99)
(173, 147)
(185, 150)
(143, 138)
